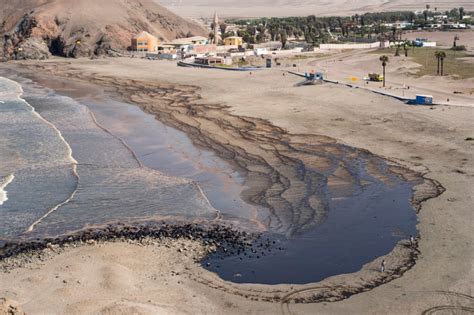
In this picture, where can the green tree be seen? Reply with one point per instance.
(454, 13)
(223, 28)
(261, 37)
(384, 60)
(461, 13)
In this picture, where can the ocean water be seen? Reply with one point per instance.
(36, 165)
(70, 173)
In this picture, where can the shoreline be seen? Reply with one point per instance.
(304, 293)
(404, 262)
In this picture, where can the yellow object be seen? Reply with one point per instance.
(145, 42)
(375, 77)
(233, 41)
(354, 79)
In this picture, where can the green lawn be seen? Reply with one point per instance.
(425, 57)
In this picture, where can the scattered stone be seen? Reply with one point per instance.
(10, 307)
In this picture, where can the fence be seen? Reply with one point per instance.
(350, 46)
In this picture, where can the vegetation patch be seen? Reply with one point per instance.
(455, 63)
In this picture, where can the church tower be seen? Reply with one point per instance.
(216, 29)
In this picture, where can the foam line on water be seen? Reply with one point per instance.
(69, 151)
(198, 187)
(116, 137)
(3, 192)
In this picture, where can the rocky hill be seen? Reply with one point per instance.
(35, 29)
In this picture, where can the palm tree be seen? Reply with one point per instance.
(440, 55)
(456, 38)
(223, 28)
(461, 13)
(437, 55)
(425, 14)
(397, 51)
(211, 37)
(405, 47)
(384, 60)
(283, 39)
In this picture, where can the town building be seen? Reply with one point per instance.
(195, 40)
(233, 41)
(212, 60)
(145, 42)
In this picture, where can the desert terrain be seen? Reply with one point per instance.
(248, 8)
(159, 276)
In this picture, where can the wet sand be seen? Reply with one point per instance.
(286, 117)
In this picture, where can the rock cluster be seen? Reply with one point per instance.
(9, 307)
(219, 239)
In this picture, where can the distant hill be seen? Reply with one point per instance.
(268, 8)
(32, 29)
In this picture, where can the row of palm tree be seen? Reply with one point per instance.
(315, 30)
(439, 54)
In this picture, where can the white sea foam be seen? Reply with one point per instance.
(3, 186)
(74, 163)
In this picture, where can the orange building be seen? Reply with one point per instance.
(145, 42)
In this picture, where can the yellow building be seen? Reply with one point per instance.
(145, 42)
(233, 41)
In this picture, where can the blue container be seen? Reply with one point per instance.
(424, 99)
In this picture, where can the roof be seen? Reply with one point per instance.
(143, 34)
(188, 40)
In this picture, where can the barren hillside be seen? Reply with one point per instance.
(36, 28)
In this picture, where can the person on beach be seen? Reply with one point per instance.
(382, 266)
(412, 241)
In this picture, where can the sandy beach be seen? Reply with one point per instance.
(239, 110)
